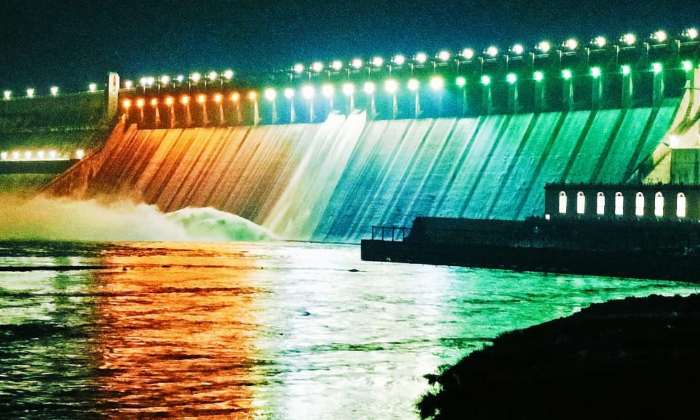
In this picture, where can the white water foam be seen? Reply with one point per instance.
(49, 218)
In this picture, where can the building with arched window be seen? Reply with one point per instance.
(627, 201)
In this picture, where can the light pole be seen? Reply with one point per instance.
(289, 94)
(308, 93)
(369, 89)
(391, 86)
(271, 95)
(413, 86)
(349, 91)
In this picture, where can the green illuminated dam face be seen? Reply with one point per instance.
(333, 181)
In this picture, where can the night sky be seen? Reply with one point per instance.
(70, 43)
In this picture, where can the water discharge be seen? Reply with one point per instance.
(62, 219)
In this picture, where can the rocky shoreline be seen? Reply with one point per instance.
(631, 358)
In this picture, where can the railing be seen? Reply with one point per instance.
(390, 233)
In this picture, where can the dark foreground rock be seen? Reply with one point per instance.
(633, 358)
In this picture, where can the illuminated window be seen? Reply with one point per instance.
(600, 204)
(658, 204)
(680, 205)
(619, 203)
(639, 204)
(580, 203)
(562, 202)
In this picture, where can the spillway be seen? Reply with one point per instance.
(333, 181)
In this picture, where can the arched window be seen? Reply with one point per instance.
(639, 204)
(619, 204)
(659, 204)
(580, 202)
(562, 202)
(680, 205)
(600, 204)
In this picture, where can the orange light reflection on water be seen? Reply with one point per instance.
(176, 336)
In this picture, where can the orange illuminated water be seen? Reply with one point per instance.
(251, 330)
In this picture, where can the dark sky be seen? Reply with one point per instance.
(72, 42)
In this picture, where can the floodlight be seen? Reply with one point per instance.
(212, 76)
(444, 55)
(571, 44)
(539, 76)
(164, 80)
(391, 86)
(461, 81)
(485, 80)
(691, 33)
(629, 39)
(356, 63)
(217, 98)
(421, 58)
(399, 60)
(595, 72)
(413, 84)
(169, 101)
(511, 78)
(626, 70)
(566, 74)
(468, 53)
(327, 91)
(369, 88)
(270, 94)
(298, 68)
(126, 104)
(80, 153)
(289, 93)
(201, 99)
(687, 65)
(544, 47)
(196, 77)
(185, 100)
(154, 102)
(660, 36)
(128, 84)
(337, 65)
(377, 61)
(252, 95)
(140, 102)
(656, 67)
(518, 49)
(7, 94)
(235, 96)
(492, 51)
(228, 74)
(348, 89)
(307, 92)
(600, 41)
(54, 90)
(30, 93)
(317, 67)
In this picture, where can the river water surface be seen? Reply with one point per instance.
(252, 330)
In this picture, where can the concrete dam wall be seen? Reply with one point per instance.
(334, 181)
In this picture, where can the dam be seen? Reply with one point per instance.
(463, 144)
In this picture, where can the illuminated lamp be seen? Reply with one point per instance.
(600, 41)
(356, 63)
(164, 80)
(298, 68)
(327, 91)
(15, 155)
(235, 96)
(413, 85)
(217, 98)
(140, 102)
(28, 155)
(656, 67)
(691, 33)
(92, 87)
(195, 77)
(154, 102)
(348, 89)
(54, 90)
(511, 78)
(80, 153)
(7, 94)
(53, 154)
(660, 36)
(169, 101)
(461, 81)
(539, 76)
(377, 61)
(3, 155)
(517, 49)
(399, 60)
(443, 55)
(391, 86)
(212, 76)
(421, 58)
(307, 92)
(437, 83)
(201, 99)
(143, 81)
(228, 74)
(485, 80)
(492, 51)
(40, 154)
(289, 93)
(544, 47)
(629, 39)
(595, 72)
(566, 74)
(468, 53)
(128, 84)
(687, 65)
(317, 67)
(571, 44)
(185, 100)
(30, 93)
(337, 65)
(369, 88)
(252, 95)
(180, 78)
(626, 70)
(270, 94)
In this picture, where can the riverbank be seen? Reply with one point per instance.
(631, 358)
